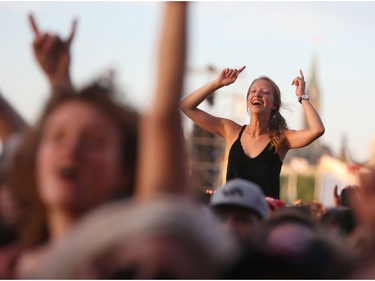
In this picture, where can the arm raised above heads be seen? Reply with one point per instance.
(162, 153)
(53, 55)
(189, 105)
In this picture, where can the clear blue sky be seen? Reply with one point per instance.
(271, 38)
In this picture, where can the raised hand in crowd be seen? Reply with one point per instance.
(228, 76)
(162, 152)
(53, 54)
(336, 196)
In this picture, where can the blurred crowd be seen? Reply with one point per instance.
(95, 190)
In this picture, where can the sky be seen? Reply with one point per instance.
(275, 39)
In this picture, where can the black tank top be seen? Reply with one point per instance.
(263, 169)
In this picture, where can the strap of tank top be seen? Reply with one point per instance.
(243, 129)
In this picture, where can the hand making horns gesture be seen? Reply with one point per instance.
(51, 52)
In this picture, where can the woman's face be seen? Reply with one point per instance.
(260, 97)
(78, 159)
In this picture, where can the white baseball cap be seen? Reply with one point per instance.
(242, 193)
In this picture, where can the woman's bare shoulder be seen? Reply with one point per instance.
(232, 130)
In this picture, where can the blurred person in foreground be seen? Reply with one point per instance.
(85, 149)
(164, 238)
(79, 134)
(52, 54)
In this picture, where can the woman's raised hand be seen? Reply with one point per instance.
(300, 84)
(228, 75)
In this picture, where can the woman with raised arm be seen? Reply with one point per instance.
(83, 152)
(257, 150)
(79, 155)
